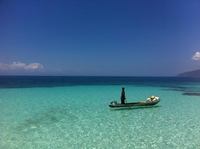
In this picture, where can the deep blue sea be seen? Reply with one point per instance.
(38, 112)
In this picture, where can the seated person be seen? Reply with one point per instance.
(151, 99)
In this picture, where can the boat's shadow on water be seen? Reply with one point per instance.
(134, 108)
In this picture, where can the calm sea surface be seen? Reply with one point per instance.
(73, 112)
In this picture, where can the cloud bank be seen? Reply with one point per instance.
(196, 56)
(21, 66)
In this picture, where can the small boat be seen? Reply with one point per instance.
(148, 102)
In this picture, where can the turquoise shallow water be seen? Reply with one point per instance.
(79, 117)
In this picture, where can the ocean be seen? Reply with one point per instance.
(72, 112)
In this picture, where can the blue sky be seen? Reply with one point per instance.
(99, 38)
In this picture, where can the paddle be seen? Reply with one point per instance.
(125, 101)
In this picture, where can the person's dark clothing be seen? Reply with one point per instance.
(123, 97)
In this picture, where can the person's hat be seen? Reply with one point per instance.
(152, 97)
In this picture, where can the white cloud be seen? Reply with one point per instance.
(22, 66)
(34, 66)
(196, 56)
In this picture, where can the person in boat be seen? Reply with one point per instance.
(152, 97)
(123, 97)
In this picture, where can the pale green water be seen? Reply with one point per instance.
(79, 117)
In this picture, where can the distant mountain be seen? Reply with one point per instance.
(194, 73)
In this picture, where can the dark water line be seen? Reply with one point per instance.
(56, 81)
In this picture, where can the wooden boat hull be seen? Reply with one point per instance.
(114, 104)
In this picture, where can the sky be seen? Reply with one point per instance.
(99, 37)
